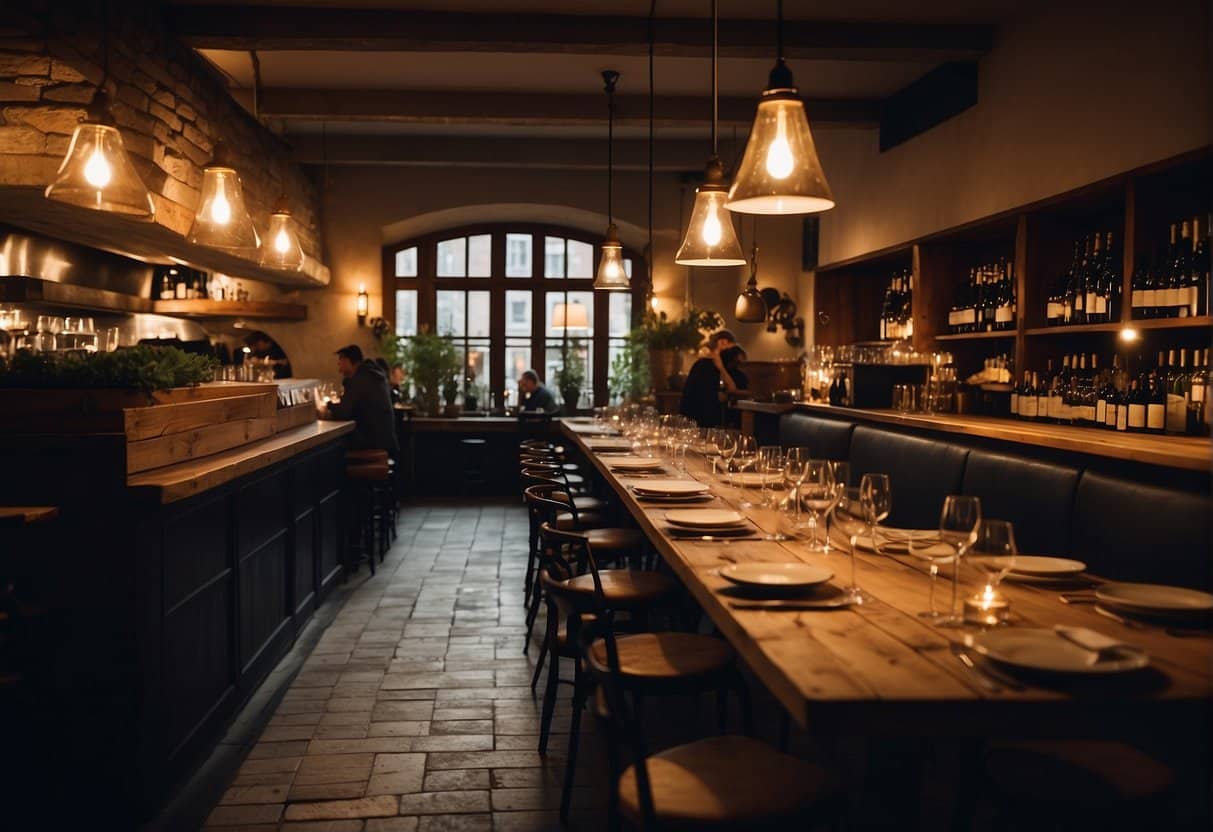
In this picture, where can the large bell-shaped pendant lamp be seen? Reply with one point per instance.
(751, 308)
(282, 249)
(780, 172)
(710, 239)
(611, 277)
(222, 220)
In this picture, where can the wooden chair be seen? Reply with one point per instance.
(719, 783)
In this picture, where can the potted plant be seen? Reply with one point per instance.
(630, 380)
(433, 365)
(667, 340)
(570, 377)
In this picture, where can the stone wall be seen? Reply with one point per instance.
(170, 104)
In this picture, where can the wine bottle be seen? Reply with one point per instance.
(1166, 288)
(1103, 389)
(1029, 403)
(1015, 388)
(1178, 289)
(1204, 252)
(179, 288)
(1156, 409)
(1177, 394)
(1091, 281)
(1192, 275)
(1198, 396)
(1136, 407)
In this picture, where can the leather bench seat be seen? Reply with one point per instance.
(825, 438)
(1037, 497)
(921, 472)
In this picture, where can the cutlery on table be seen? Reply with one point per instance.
(1120, 619)
(790, 605)
(987, 681)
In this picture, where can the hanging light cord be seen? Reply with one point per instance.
(652, 39)
(715, 79)
(610, 77)
(779, 28)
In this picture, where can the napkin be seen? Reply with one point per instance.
(1092, 640)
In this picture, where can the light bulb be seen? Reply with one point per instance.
(712, 230)
(97, 171)
(779, 157)
(221, 209)
(282, 242)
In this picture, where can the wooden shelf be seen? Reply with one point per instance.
(266, 310)
(1076, 329)
(1199, 322)
(978, 336)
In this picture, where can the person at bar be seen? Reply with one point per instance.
(366, 401)
(701, 393)
(534, 397)
(396, 380)
(266, 349)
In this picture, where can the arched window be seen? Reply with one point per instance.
(511, 297)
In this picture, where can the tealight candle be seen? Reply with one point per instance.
(986, 608)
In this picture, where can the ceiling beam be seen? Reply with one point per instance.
(489, 152)
(310, 28)
(534, 109)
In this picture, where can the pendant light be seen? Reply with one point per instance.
(223, 221)
(97, 173)
(780, 172)
(710, 239)
(571, 316)
(282, 249)
(751, 308)
(611, 274)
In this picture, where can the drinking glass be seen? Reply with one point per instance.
(744, 456)
(993, 553)
(959, 522)
(770, 461)
(877, 495)
(686, 438)
(851, 519)
(842, 481)
(817, 492)
(795, 466)
(711, 446)
(726, 443)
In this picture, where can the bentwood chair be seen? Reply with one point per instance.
(649, 663)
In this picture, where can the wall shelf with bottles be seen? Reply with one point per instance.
(265, 310)
(1199, 322)
(1006, 334)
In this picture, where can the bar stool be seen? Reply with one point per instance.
(377, 456)
(370, 490)
(647, 663)
(473, 451)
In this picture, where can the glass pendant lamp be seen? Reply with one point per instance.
(223, 221)
(96, 172)
(780, 172)
(282, 249)
(570, 316)
(611, 276)
(710, 239)
(751, 308)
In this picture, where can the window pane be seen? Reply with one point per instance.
(627, 267)
(451, 257)
(517, 359)
(554, 359)
(570, 313)
(478, 374)
(615, 348)
(518, 312)
(480, 255)
(553, 256)
(581, 259)
(406, 262)
(518, 255)
(478, 314)
(450, 313)
(406, 312)
(619, 309)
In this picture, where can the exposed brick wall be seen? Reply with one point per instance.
(170, 104)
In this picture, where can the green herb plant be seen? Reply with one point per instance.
(142, 368)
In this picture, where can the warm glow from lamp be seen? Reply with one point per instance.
(284, 251)
(567, 316)
(1129, 334)
(654, 304)
(710, 239)
(611, 276)
(779, 157)
(222, 220)
(96, 172)
(364, 303)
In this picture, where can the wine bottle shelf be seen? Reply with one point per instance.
(978, 336)
(1198, 322)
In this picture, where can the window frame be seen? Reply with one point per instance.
(427, 284)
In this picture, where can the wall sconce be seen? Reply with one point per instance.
(756, 305)
(364, 304)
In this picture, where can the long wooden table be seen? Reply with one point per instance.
(880, 669)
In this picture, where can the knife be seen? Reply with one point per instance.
(791, 605)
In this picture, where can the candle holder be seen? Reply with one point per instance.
(987, 608)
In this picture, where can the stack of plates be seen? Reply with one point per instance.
(1155, 600)
(672, 491)
(707, 521)
(1033, 569)
(634, 463)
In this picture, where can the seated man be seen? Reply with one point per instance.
(534, 397)
(366, 401)
(701, 394)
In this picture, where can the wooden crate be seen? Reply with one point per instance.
(296, 415)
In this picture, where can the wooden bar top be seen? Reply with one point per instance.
(878, 668)
(177, 482)
(772, 408)
(1192, 453)
(26, 515)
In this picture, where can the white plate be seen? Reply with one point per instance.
(634, 463)
(1041, 567)
(751, 479)
(670, 488)
(608, 444)
(784, 575)
(1045, 650)
(704, 518)
(1155, 598)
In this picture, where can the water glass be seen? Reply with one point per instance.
(795, 467)
(959, 522)
(817, 492)
(744, 457)
(770, 463)
(850, 518)
(877, 494)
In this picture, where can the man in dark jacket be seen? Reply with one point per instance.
(536, 397)
(710, 375)
(366, 401)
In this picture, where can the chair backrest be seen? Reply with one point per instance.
(547, 500)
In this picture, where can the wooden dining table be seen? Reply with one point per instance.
(879, 669)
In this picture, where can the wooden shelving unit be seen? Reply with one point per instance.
(1136, 206)
(264, 310)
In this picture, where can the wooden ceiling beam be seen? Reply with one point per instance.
(268, 28)
(533, 109)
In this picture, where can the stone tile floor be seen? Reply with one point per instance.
(414, 710)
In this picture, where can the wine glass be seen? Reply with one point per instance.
(817, 492)
(726, 443)
(770, 461)
(744, 457)
(877, 494)
(959, 522)
(993, 554)
(795, 466)
(850, 517)
(842, 481)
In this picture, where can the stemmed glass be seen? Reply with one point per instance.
(770, 461)
(745, 455)
(842, 481)
(817, 491)
(877, 494)
(994, 554)
(686, 437)
(850, 517)
(959, 522)
(726, 443)
(795, 466)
